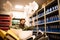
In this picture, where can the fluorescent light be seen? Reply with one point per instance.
(18, 7)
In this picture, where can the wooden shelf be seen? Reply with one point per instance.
(41, 16)
(49, 32)
(52, 3)
(53, 22)
(51, 12)
(54, 32)
(41, 24)
(40, 9)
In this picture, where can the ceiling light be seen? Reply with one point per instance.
(18, 7)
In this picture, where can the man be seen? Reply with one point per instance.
(22, 23)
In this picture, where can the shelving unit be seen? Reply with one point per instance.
(5, 21)
(52, 14)
(48, 18)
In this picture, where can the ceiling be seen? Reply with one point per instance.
(26, 2)
(21, 2)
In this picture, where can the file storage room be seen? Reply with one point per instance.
(29, 19)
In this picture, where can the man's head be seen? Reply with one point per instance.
(22, 21)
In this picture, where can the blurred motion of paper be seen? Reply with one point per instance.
(22, 34)
(25, 34)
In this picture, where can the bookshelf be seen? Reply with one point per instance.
(48, 18)
(5, 21)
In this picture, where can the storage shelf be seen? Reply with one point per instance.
(40, 9)
(51, 12)
(40, 16)
(36, 31)
(53, 32)
(51, 17)
(41, 24)
(53, 22)
(49, 32)
(50, 3)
